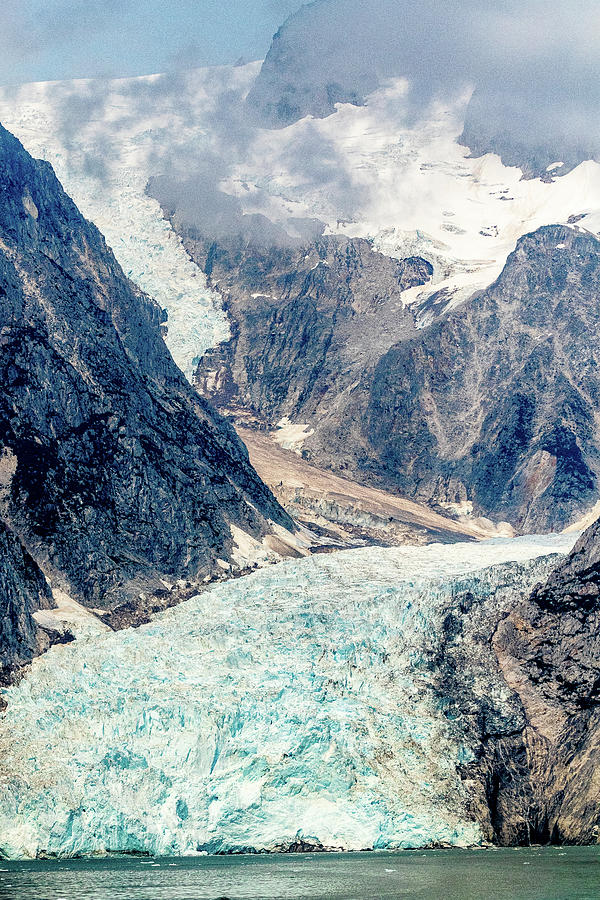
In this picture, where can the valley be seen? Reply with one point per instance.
(300, 445)
(350, 511)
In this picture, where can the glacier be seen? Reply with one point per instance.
(364, 172)
(299, 702)
(104, 164)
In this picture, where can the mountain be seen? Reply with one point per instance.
(117, 479)
(295, 350)
(305, 74)
(531, 104)
(491, 406)
(378, 191)
(495, 403)
(341, 273)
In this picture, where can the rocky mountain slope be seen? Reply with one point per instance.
(294, 311)
(489, 409)
(116, 477)
(496, 403)
(542, 778)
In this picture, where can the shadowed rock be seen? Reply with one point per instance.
(114, 474)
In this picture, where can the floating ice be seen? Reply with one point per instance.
(292, 702)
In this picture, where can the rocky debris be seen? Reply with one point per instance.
(114, 474)
(346, 511)
(304, 845)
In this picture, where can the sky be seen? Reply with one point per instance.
(50, 40)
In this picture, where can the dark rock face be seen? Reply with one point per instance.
(23, 590)
(305, 321)
(496, 402)
(548, 648)
(493, 403)
(520, 678)
(575, 585)
(115, 473)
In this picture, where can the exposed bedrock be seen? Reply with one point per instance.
(305, 320)
(23, 591)
(543, 780)
(491, 408)
(114, 474)
(496, 402)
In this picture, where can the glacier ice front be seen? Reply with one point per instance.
(299, 701)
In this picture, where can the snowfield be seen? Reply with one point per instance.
(297, 702)
(363, 172)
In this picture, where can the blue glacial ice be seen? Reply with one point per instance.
(291, 702)
(104, 164)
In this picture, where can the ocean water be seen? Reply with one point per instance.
(549, 873)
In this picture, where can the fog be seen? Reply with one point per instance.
(533, 64)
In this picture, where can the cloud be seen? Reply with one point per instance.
(533, 63)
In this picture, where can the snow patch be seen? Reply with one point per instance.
(291, 436)
(68, 612)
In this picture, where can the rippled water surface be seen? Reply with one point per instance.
(534, 874)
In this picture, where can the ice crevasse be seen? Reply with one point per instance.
(299, 701)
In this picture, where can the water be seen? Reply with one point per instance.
(553, 873)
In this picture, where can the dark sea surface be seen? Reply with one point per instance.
(561, 873)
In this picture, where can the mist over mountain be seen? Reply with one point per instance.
(532, 65)
(116, 478)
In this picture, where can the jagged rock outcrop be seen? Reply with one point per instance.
(115, 474)
(23, 591)
(492, 406)
(304, 72)
(305, 321)
(543, 780)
